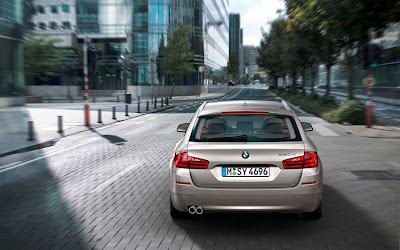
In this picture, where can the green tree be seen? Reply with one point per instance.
(178, 55)
(272, 56)
(233, 65)
(346, 23)
(42, 57)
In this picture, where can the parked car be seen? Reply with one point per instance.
(231, 83)
(245, 156)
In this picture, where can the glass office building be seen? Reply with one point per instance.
(138, 30)
(11, 48)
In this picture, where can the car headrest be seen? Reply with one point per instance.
(271, 120)
(273, 128)
(216, 128)
(245, 126)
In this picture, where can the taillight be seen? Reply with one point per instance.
(182, 160)
(296, 162)
(309, 160)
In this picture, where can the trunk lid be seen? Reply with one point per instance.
(261, 154)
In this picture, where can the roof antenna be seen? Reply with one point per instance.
(244, 104)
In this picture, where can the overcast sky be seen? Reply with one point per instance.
(255, 14)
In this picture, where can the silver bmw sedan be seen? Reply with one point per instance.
(245, 156)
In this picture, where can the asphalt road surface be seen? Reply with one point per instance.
(108, 188)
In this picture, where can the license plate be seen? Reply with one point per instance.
(245, 171)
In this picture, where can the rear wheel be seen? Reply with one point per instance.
(315, 215)
(175, 213)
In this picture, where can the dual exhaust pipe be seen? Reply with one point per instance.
(195, 210)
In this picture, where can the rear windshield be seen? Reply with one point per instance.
(249, 128)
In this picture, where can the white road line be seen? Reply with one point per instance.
(153, 118)
(180, 109)
(107, 183)
(55, 152)
(135, 122)
(394, 164)
(9, 165)
(323, 130)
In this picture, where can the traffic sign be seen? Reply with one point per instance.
(369, 81)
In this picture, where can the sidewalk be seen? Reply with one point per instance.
(14, 121)
(388, 101)
(374, 132)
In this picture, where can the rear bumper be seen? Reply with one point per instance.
(302, 198)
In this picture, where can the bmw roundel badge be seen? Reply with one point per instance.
(245, 154)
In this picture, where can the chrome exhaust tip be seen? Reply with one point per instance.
(192, 210)
(199, 210)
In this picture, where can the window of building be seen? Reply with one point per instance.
(40, 9)
(66, 25)
(53, 26)
(42, 26)
(54, 9)
(65, 8)
(31, 26)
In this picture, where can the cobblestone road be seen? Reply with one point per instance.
(108, 188)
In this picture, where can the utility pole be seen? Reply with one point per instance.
(86, 83)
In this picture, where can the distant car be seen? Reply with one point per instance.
(245, 156)
(256, 82)
(231, 83)
(218, 83)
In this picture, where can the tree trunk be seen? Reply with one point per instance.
(294, 80)
(172, 90)
(328, 79)
(312, 75)
(350, 75)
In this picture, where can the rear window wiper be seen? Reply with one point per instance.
(229, 138)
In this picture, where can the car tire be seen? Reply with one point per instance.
(315, 215)
(175, 213)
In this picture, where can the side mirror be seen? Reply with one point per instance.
(183, 127)
(307, 126)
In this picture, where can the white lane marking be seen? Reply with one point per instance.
(9, 165)
(135, 122)
(153, 118)
(180, 109)
(107, 183)
(50, 154)
(394, 164)
(323, 130)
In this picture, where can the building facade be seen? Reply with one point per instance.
(138, 32)
(11, 48)
(236, 40)
(250, 54)
(56, 19)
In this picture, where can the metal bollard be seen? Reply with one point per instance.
(114, 115)
(162, 102)
(138, 99)
(126, 110)
(30, 131)
(166, 101)
(99, 116)
(155, 103)
(147, 106)
(60, 124)
(138, 107)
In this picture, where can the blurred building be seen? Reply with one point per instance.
(235, 37)
(129, 36)
(250, 54)
(11, 51)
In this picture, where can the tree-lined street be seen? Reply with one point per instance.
(108, 188)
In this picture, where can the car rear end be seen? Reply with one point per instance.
(246, 159)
